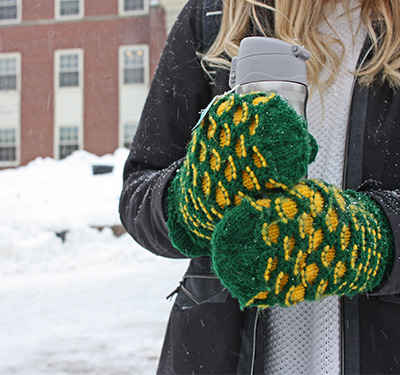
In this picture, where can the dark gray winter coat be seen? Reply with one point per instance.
(207, 334)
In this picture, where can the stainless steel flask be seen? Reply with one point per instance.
(269, 64)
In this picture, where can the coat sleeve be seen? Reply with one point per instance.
(389, 201)
(178, 92)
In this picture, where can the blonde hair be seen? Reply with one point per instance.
(296, 21)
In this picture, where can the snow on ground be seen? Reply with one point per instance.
(94, 304)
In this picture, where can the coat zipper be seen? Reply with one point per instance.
(253, 357)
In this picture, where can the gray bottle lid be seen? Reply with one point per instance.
(268, 59)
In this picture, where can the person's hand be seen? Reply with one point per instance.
(302, 243)
(245, 145)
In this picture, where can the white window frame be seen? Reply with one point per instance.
(17, 57)
(123, 136)
(11, 163)
(17, 126)
(57, 88)
(64, 143)
(58, 144)
(60, 17)
(14, 20)
(64, 52)
(123, 12)
(146, 63)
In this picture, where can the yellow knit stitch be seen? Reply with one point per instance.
(288, 295)
(340, 270)
(240, 147)
(315, 240)
(297, 294)
(225, 106)
(271, 266)
(201, 234)
(300, 262)
(253, 178)
(259, 296)
(327, 255)
(212, 128)
(258, 158)
(225, 192)
(339, 199)
(306, 225)
(245, 112)
(206, 183)
(266, 203)
(289, 208)
(260, 204)
(237, 117)
(215, 212)
(321, 288)
(311, 273)
(203, 207)
(345, 237)
(196, 222)
(302, 190)
(263, 99)
(215, 160)
(254, 124)
(270, 233)
(281, 281)
(237, 200)
(288, 245)
(248, 182)
(272, 184)
(331, 219)
(194, 174)
(354, 255)
(203, 151)
(230, 171)
(194, 142)
(225, 137)
(193, 200)
(222, 196)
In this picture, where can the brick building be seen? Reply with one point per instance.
(74, 74)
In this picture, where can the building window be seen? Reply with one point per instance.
(69, 70)
(69, 140)
(129, 133)
(134, 64)
(8, 145)
(132, 7)
(8, 73)
(8, 11)
(69, 9)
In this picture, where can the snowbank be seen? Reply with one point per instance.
(92, 304)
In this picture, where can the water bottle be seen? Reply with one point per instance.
(269, 64)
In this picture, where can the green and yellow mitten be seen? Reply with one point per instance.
(302, 243)
(245, 145)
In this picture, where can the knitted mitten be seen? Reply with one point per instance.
(245, 145)
(303, 243)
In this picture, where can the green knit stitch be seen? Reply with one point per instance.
(245, 145)
(303, 243)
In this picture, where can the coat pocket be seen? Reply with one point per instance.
(204, 332)
(195, 290)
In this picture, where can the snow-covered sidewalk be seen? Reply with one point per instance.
(94, 304)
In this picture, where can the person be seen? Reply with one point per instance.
(289, 274)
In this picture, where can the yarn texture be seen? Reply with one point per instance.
(302, 243)
(246, 145)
